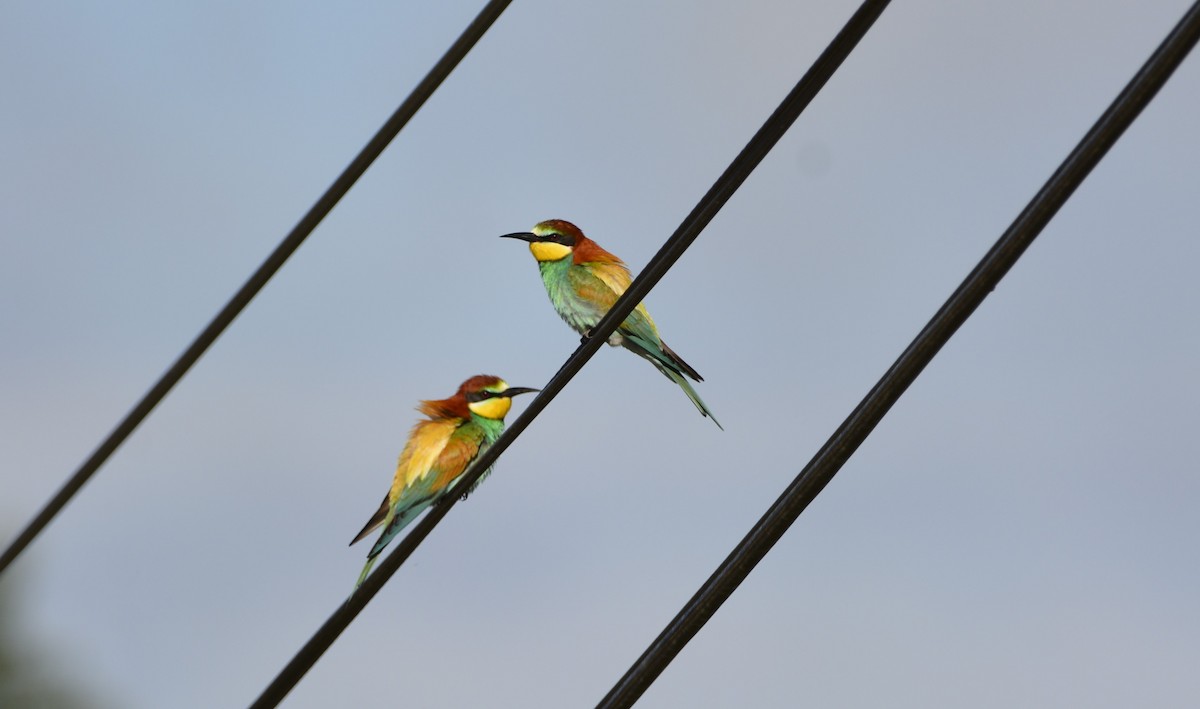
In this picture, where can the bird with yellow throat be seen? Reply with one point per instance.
(584, 281)
(439, 450)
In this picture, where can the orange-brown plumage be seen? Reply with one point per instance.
(439, 450)
(456, 406)
(588, 251)
(584, 250)
(442, 409)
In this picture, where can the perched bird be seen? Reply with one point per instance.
(583, 281)
(438, 452)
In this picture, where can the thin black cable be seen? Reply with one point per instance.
(246, 293)
(729, 181)
(854, 430)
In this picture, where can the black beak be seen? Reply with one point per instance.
(522, 235)
(513, 391)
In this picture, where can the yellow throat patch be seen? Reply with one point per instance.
(494, 408)
(548, 250)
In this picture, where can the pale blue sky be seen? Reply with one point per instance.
(1019, 531)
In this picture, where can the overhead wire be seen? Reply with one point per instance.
(259, 278)
(724, 187)
(953, 313)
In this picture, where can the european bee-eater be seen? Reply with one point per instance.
(438, 452)
(583, 281)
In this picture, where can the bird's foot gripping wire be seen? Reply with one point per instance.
(615, 339)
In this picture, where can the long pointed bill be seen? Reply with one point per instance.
(522, 235)
(513, 391)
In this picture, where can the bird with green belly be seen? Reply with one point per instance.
(584, 281)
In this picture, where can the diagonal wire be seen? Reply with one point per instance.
(729, 181)
(854, 430)
(255, 283)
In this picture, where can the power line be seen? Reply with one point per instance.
(246, 293)
(728, 183)
(854, 430)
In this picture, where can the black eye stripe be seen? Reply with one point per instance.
(557, 238)
(480, 396)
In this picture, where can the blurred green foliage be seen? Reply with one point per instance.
(29, 677)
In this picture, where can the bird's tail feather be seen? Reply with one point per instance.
(376, 520)
(394, 526)
(366, 570)
(691, 393)
(673, 367)
(682, 366)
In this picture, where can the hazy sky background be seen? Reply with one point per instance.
(1019, 531)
